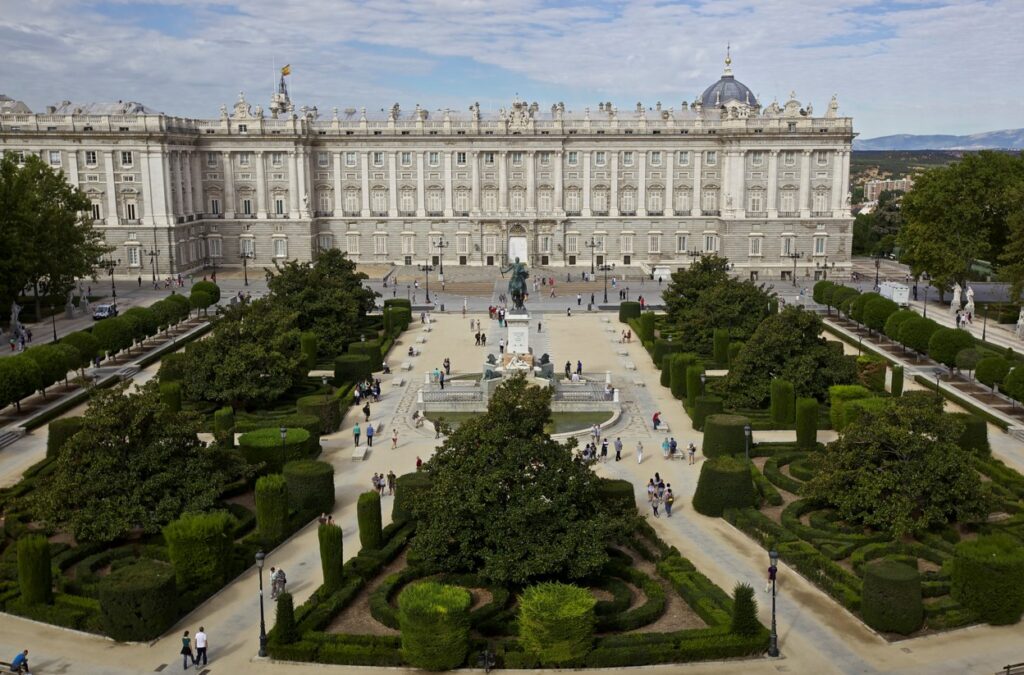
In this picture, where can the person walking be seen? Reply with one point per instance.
(579, 368)
(568, 368)
(664, 448)
(650, 489)
(186, 651)
(447, 366)
(639, 452)
(440, 380)
(579, 300)
(604, 450)
(394, 438)
(419, 463)
(369, 435)
(279, 582)
(692, 452)
(501, 346)
(618, 449)
(655, 503)
(669, 501)
(201, 641)
(355, 433)
(366, 411)
(392, 478)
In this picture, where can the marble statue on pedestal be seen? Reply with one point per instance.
(954, 306)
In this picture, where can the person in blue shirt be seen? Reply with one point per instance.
(20, 663)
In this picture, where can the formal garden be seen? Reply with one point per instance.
(159, 495)
(584, 581)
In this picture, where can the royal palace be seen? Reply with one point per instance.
(649, 187)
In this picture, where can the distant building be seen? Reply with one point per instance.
(874, 188)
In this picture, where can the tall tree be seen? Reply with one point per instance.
(1012, 269)
(509, 502)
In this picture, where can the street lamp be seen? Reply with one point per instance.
(284, 437)
(984, 322)
(747, 434)
(323, 381)
(703, 381)
(604, 268)
(109, 265)
(794, 256)
(926, 301)
(773, 570)
(260, 557)
(692, 254)
(426, 269)
(246, 256)
(441, 245)
(878, 266)
(593, 245)
(153, 254)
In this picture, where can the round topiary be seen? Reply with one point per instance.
(992, 370)
(138, 602)
(724, 483)
(705, 406)
(199, 548)
(60, 432)
(331, 555)
(783, 400)
(986, 577)
(945, 343)
(724, 435)
(323, 407)
(618, 493)
(916, 332)
(877, 311)
(1013, 383)
(556, 623)
(371, 349)
(895, 320)
(35, 578)
(271, 509)
(407, 487)
(434, 621)
(265, 446)
(891, 599)
(350, 368)
(807, 423)
(629, 310)
(209, 287)
(857, 305)
(310, 486)
(842, 295)
(818, 291)
(975, 434)
(368, 516)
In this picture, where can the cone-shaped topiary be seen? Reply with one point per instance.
(782, 402)
(724, 435)
(331, 555)
(556, 623)
(744, 611)
(368, 515)
(703, 407)
(34, 575)
(986, 577)
(806, 423)
(271, 509)
(891, 599)
(285, 630)
(434, 620)
(724, 483)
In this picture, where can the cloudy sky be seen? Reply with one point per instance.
(901, 66)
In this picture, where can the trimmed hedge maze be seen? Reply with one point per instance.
(943, 579)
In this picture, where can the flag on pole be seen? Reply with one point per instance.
(286, 70)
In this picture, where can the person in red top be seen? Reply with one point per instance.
(419, 463)
(656, 420)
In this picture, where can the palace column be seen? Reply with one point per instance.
(670, 158)
(365, 212)
(229, 185)
(613, 208)
(696, 203)
(837, 180)
(420, 186)
(293, 184)
(185, 171)
(261, 186)
(641, 197)
(179, 185)
(448, 196)
(393, 184)
(503, 182)
(586, 185)
(773, 183)
(805, 184)
(147, 189)
(338, 206)
(557, 206)
(531, 187)
(475, 161)
(111, 188)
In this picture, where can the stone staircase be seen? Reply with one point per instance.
(7, 437)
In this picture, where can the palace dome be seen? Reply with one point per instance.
(728, 88)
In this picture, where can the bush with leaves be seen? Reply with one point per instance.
(891, 599)
(34, 575)
(53, 361)
(286, 631)
(916, 332)
(781, 410)
(895, 320)
(138, 601)
(556, 623)
(114, 335)
(308, 347)
(329, 536)
(272, 509)
(20, 377)
(807, 423)
(434, 621)
(368, 516)
(310, 486)
(58, 433)
(986, 574)
(224, 426)
(199, 548)
(871, 371)
(819, 290)
(1013, 383)
(87, 346)
(208, 287)
(945, 343)
(744, 611)
(350, 368)
(200, 300)
(725, 483)
(896, 381)
(842, 296)
(992, 370)
(858, 304)
(143, 321)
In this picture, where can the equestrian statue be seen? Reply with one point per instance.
(517, 284)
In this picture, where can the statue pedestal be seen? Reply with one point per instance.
(518, 333)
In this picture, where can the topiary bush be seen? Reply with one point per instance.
(324, 408)
(629, 310)
(744, 611)
(617, 493)
(896, 383)
(352, 368)
(368, 515)
(853, 410)
(665, 379)
(725, 483)
(724, 435)
(331, 555)
(839, 395)
(895, 321)
(734, 351)
(60, 432)
(891, 597)
(842, 295)
(916, 332)
(781, 410)
(265, 446)
(1013, 383)
(286, 632)
(370, 348)
(877, 311)
(35, 578)
(556, 623)
(139, 601)
(975, 434)
(87, 346)
(208, 287)
(172, 367)
(663, 347)
(807, 423)
(945, 343)
(871, 372)
(199, 547)
(677, 367)
(170, 396)
(694, 387)
(992, 370)
(720, 346)
(818, 291)
(857, 305)
(308, 348)
(986, 574)
(434, 621)
(646, 327)
(407, 486)
(224, 426)
(703, 407)
(271, 509)
(967, 359)
(310, 487)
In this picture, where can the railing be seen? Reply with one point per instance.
(757, 214)
(587, 391)
(821, 214)
(441, 396)
(789, 214)
(710, 212)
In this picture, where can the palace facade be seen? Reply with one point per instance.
(765, 186)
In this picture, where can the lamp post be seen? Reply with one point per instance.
(604, 268)
(747, 434)
(323, 381)
(703, 381)
(984, 322)
(284, 437)
(109, 265)
(773, 570)
(153, 254)
(926, 301)
(426, 269)
(592, 245)
(878, 266)
(441, 245)
(794, 256)
(246, 256)
(693, 254)
(260, 557)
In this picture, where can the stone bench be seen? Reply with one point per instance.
(427, 329)
(630, 365)
(398, 381)
(639, 383)
(662, 426)
(622, 352)
(421, 340)
(406, 366)
(359, 452)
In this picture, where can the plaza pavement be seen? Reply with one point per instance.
(816, 635)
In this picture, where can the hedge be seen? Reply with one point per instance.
(720, 346)
(724, 435)
(1013, 383)
(60, 432)
(331, 555)
(853, 410)
(434, 621)
(406, 486)
(369, 348)
(945, 343)
(877, 311)
(398, 302)
(895, 321)
(368, 515)
(975, 434)
(839, 395)
(629, 310)
(35, 578)
(285, 630)
(744, 611)
(986, 577)
(645, 326)
(724, 483)
(665, 378)
(896, 384)
(916, 333)
(871, 372)
(678, 365)
(272, 509)
(199, 548)
(556, 623)
(139, 601)
(705, 406)
(992, 370)
(310, 487)
(265, 446)
(352, 368)
(694, 387)
(891, 597)
(858, 304)
(807, 423)
(781, 410)
(663, 347)
(224, 426)
(170, 396)
(617, 493)
(322, 406)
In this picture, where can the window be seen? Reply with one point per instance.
(279, 205)
(788, 245)
(655, 158)
(378, 159)
(90, 158)
(654, 243)
(460, 158)
(710, 243)
(126, 158)
(627, 201)
(789, 158)
(681, 243)
(434, 201)
(654, 201)
(54, 157)
(627, 159)
(490, 200)
(134, 259)
(683, 158)
(214, 245)
(211, 159)
(711, 158)
(462, 244)
(406, 159)
(517, 159)
(243, 159)
(129, 211)
(574, 158)
(792, 126)
(243, 128)
(96, 213)
(247, 206)
(407, 203)
(351, 201)
(544, 201)
(408, 244)
(682, 201)
(757, 158)
(572, 201)
(488, 158)
(572, 244)
(280, 247)
(710, 200)
(598, 243)
(379, 199)
(325, 201)
(819, 245)
(599, 201)
(323, 159)
(277, 158)
(518, 201)
(350, 159)
(626, 243)
(128, 178)
(352, 243)
(462, 201)
(599, 158)
(215, 206)
(434, 158)
(325, 241)
(380, 244)
(756, 201)
(820, 199)
(788, 201)
(755, 246)
(821, 157)
(247, 247)
(490, 244)
(545, 243)
(545, 158)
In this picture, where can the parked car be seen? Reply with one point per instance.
(104, 311)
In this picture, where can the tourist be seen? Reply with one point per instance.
(665, 449)
(201, 646)
(447, 366)
(579, 300)
(656, 420)
(483, 339)
(19, 664)
(604, 450)
(597, 433)
(440, 380)
(629, 335)
(618, 449)
(692, 452)
(639, 452)
(654, 506)
(538, 327)
(641, 298)
(369, 435)
(419, 463)
(355, 433)
(592, 299)
(568, 368)
(669, 500)
(650, 490)
(392, 479)
(376, 482)
(280, 580)
(478, 338)
(579, 367)
(568, 311)
(186, 651)
(140, 281)
(356, 395)
(672, 447)
(501, 346)
(394, 438)
(366, 411)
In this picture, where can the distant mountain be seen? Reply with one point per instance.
(1007, 139)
